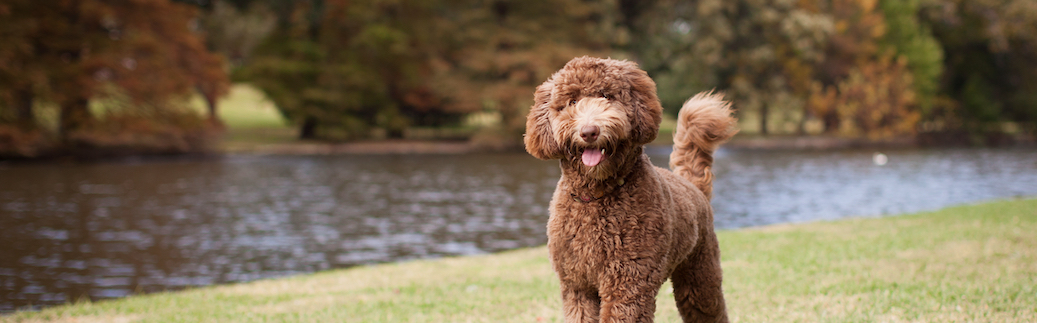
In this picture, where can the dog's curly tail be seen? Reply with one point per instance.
(703, 124)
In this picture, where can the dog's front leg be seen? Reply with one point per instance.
(629, 308)
(628, 291)
(581, 305)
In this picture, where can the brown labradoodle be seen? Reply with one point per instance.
(619, 226)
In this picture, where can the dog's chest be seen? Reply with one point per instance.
(582, 240)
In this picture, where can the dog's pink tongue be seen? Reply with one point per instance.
(591, 157)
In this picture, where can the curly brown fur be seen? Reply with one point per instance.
(619, 227)
(703, 123)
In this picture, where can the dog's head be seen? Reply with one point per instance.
(594, 112)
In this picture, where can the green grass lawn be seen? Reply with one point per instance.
(251, 119)
(245, 107)
(962, 264)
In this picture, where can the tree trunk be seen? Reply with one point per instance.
(801, 126)
(831, 122)
(309, 128)
(764, 110)
(26, 120)
(75, 115)
(210, 102)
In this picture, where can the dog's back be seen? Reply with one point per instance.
(703, 123)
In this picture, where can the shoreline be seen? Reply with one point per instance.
(893, 268)
(225, 147)
(452, 147)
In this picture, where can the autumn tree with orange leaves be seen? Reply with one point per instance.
(862, 88)
(134, 60)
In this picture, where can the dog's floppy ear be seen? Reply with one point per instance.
(539, 139)
(647, 111)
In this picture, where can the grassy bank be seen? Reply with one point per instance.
(971, 263)
(251, 119)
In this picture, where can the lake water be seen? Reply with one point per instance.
(108, 230)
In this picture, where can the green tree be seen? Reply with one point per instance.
(990, 69)
(350, 67)
(235, 31)
(909, 38)
(761, 52)
(338, 66)
(287, 64)
(492, 54)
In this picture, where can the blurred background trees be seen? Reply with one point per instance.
(84, 73)
(990, 63)
(113, 71)
(344, 68)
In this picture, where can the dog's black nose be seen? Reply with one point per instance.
(589, 133)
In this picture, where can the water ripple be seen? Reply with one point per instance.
(111, 230)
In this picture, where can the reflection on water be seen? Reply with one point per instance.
(109, 230)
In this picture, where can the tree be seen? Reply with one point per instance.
(909, 38)
(761, 52)
(853, 43)
(863, 88)
(350, 67)
(161, 43)
(313, 67)
(494, 53)
(234, 29)
(19, 76)
(45, 58)
(990, 70)
(142, 54)
(875, 99)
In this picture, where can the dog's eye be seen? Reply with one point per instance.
(606, 96)
(572, 102)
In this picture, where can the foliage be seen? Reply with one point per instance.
(499, 51)
(416, 63)
(762, 52)
(908, 37)
(165, 131)
(345, 69)
(376, 68)
(861, 89)
(990, 65)
(68, 53)
(874, 100)
(777, 57)
(235, 32)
